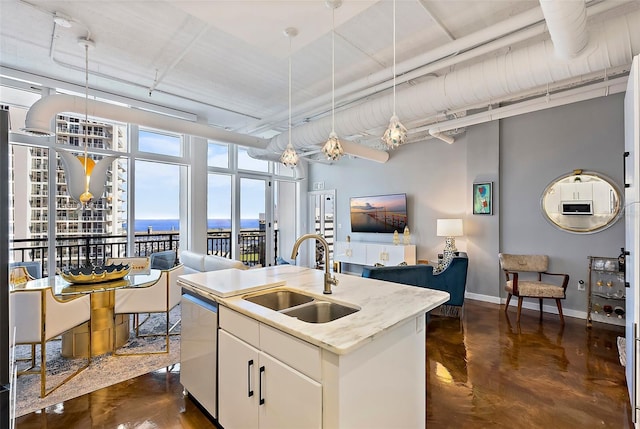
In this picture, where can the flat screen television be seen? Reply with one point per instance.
(378, 213)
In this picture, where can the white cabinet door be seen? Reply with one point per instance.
(288, 398)
(237, 383)
(576, 191)
(258, 391)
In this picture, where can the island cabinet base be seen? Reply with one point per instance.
(380, 385)
(269, 378)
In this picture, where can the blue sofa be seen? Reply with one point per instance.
(453, 279)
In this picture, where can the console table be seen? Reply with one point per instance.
(364, 253)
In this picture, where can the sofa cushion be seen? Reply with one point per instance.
(197, 262)
(192, 261)
(214, 263)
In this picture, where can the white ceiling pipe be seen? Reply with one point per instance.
(445, 138)
(567, 22)
(575, 95)
(615, 43)
(38, 119)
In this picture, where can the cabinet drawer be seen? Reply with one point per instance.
(243, 327)
(295, 352)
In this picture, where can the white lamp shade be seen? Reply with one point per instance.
(449, 227)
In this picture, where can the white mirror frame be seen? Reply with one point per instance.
(572, 203)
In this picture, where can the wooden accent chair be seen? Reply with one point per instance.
(528, 286)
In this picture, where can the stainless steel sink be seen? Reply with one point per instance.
(320, 311)
(280, 299)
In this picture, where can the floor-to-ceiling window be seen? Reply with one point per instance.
(145, 185)
(243, 205)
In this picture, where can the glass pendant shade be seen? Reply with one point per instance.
(395, 134)
(289, 157)
(332, 148)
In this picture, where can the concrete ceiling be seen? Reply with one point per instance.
(227, 60)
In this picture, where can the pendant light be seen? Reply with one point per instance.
(85, 178)
(289, 157)
(396, 133)
(332, 148)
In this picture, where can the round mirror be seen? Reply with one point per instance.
(582, 202)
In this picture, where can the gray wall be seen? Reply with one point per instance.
(432, 174)
(520, 155)
(537, 148)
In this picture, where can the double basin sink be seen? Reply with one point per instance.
(301, 306)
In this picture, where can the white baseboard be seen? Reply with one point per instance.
(484, 298)
(527, 303)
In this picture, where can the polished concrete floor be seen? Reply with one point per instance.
(490, 372)
(483, 372)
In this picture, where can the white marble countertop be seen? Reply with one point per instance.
(383, 305)
(232, 281)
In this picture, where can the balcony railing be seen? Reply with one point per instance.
(76, 251)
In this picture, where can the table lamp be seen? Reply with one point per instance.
(449, 228)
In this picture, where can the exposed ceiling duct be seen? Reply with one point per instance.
(39, 116)
(613, 43)
(567, 23)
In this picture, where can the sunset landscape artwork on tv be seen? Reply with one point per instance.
(381, 213)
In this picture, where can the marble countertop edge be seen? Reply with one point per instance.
(383, 306)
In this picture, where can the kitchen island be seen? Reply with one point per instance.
(365, 369)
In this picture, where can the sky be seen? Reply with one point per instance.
(157, 185)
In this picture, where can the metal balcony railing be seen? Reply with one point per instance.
(95, 249)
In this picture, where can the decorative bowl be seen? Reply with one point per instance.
(95, 274)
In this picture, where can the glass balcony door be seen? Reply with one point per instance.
(255, 235)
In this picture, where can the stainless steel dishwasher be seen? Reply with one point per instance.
(199, 350)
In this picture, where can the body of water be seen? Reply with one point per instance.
(161, 225)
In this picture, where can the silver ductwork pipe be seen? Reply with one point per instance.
(615, 42)
(567, 24)
(39, 116)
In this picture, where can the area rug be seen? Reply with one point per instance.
(104, 370)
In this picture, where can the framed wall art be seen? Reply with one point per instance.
(483, 198)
